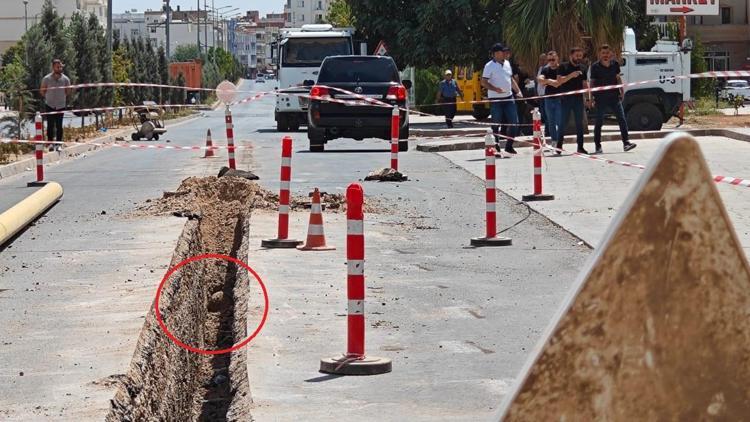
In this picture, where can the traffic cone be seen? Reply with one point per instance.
(209, 145)
(316, 239)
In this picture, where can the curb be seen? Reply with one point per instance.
(463, 145)
(75, 150)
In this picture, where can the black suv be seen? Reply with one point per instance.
(375, 77)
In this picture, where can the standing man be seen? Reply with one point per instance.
(497, 78)
(55, 92)
(606, 72)
(540, 91)
(448, 90)
(575, 73)
(551, 80)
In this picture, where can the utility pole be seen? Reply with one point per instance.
(109, 77)
(198, 21)
(205, 25)
(169, 23)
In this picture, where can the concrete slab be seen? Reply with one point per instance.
(654, 328)
(588, 193)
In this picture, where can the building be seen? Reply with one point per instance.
(15, 16)
(302, 12)
(186, 28)
(251, 38)
(726, 36)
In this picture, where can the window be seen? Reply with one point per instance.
(717, 60)
(692, 20)
(647, 61)
(320, 5)
(134, 33)
(310, 52)
(153, 30)
(359, 69)
(302, 18)
(726, 15)
(301, 3)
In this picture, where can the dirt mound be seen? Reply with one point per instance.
(196, 193)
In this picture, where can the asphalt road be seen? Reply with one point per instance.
(458, 322)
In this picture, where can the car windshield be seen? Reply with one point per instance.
(348, 69)
(738, 84)
(310, 52)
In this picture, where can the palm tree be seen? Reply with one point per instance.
(536, 26)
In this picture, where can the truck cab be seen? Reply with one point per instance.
(301, 51)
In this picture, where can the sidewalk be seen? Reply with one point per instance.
(588, 193)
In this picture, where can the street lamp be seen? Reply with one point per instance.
(26, 13)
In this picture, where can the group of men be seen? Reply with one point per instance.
(552, 78)
(555, 78)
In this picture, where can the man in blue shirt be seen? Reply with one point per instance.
(448, 91)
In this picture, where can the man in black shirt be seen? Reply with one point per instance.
(549, 78)
(575, 73)
(606, 72)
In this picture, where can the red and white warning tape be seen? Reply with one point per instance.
(718, 179)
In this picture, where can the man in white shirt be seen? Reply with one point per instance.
(497, 78)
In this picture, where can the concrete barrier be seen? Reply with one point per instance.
(20, 215)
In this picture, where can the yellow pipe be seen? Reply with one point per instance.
(26, 211)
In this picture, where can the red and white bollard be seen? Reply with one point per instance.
(538, 155)
(209, 145)
(395, 124)
(491, 239)
(39, 151)
(283, 241)
(355, 362)
(230, 138)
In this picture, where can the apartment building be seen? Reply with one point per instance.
(184, 29)
(15, 16)
(302, 12)
(726, 36)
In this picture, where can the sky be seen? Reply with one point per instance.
(264, 6)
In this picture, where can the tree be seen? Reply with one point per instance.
(186, 53)
(536, 26)
(163, 71)
(86, 62)
(431, 32)
(121, 67)
(340, 14)
(701, 87)
(13, 84)
(58, 36)
(39, 54)
(104, 59)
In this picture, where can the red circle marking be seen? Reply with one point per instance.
(237, 346)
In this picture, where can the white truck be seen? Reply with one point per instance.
(300, 53)
(650, 105)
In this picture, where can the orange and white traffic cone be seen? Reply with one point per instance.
(209, 145)
(316, 239)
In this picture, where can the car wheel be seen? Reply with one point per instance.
(135, 137)
(480, 112)
(404, 132)
(282, 123)
(294, 126)
(643, 117)
(317, 138)
(403, 146)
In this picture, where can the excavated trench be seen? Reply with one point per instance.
(204, 304)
